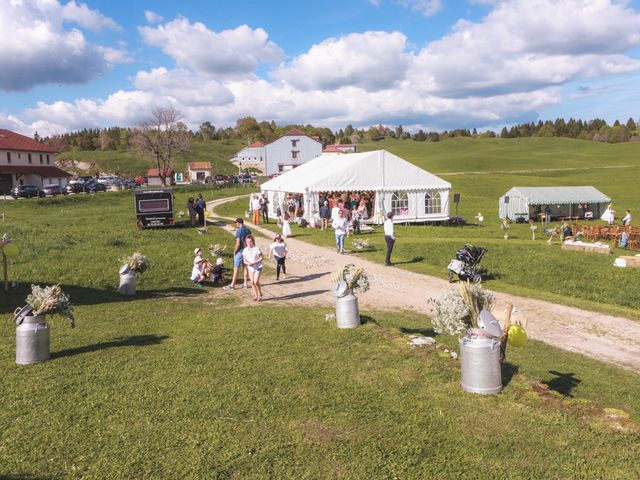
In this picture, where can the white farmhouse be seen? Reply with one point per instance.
(291, 150)
(23, 161)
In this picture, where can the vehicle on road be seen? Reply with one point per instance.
(89, 186)
(53, 190)
(26, 191)
(244, 178)
(220, 179)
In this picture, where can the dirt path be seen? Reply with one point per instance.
(603, 337)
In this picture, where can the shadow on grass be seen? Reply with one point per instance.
(364, 319)
(134, 341)
(508, 371)
(563, 383)
(92, 296)
(19, 476)
(427, 332)
(413, 260)
(292, 296)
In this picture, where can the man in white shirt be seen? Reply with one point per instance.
(626, 220)
(389, 237)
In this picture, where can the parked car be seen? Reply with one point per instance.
(90, 186)
(94, 186)
(128, 183)
(244, 178)
(53, 190)
(26, 191)
(208, 180)
(220, 179)
(235, 179)
(140, 180)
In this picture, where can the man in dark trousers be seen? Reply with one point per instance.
(389, 237)
(201, 206)
(264, 207)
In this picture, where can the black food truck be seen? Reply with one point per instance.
(154, 208)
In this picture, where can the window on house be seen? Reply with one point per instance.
(8, 157)
(48, 160)
(400, 204)
(41, 158)
(19, 156)
(29, 157)
(294, 143)
(294, 154)
(432, 202)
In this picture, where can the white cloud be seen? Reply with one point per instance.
(152, 17)
(370, 60)
(85, 17)
(426, 8)
(36, 49)
(527, 45)
(184, 87)
(227, 54)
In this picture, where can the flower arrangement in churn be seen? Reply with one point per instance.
(217, 250)
(51, 301)
(457, 309)
(137, 263)
(355, 277)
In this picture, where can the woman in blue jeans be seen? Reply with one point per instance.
(340, 226)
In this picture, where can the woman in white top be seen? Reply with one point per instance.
(279, 251)
(340, 225)
(252, 259)
(626, 220)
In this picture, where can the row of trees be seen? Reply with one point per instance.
(249, 130)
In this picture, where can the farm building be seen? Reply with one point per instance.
(524, 203)
(199, 171)
(24, 161)
(392, 184)
(287, 152)
(153, 177)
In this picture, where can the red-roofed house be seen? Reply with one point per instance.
(23, 161)
(340, 148)
(199, 171)
(153, 177)
(289, 151)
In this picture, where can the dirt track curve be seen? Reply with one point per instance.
(600, 336)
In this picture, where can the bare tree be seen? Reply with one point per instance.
(161, 137)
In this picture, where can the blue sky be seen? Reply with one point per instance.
(431, 64)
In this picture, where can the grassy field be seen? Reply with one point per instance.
(185, 382)
(131, 164)
(518, 265)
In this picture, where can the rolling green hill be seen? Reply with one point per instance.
(130, 164)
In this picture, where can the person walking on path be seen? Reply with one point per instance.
(201, 206)
(279, 250)
(242, 233)
(340, 226)
(191, 207)
(252, 258)
(255, 208)
(389, 237)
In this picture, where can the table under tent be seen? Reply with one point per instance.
(393, 184)
(564, 203)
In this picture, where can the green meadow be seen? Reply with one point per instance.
(187, 382)
(517, 265)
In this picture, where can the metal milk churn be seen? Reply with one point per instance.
(347, 314)
(127, 281)
(33, 344)
(480, 365)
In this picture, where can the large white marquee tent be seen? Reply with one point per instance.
(413, 194)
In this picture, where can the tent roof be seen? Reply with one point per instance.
(559, 195)
(377, 170)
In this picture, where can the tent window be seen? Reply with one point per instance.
(400, 204)
(432, 203)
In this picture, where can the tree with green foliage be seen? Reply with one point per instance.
(546, 131)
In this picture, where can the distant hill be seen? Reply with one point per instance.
(130, 164)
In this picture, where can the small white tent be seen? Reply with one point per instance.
(412, 194)
(563, 202)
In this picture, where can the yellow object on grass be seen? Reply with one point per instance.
(11, 250)
(517, 336)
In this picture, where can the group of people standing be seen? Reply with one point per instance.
(197, 207)
(259, 207)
